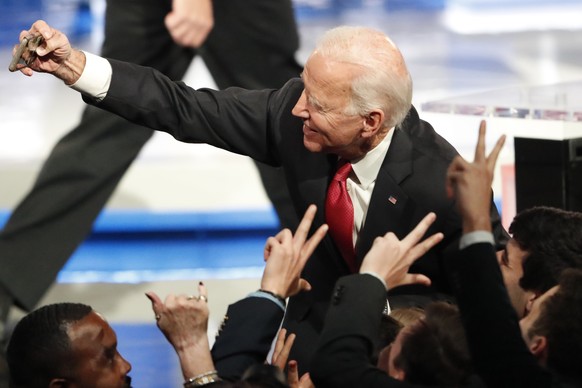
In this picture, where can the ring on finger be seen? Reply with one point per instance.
(192, 297)
(203, 298)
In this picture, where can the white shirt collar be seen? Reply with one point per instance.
(366, 169)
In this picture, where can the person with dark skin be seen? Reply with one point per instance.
(65, 345)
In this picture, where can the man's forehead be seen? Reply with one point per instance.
(92, 326)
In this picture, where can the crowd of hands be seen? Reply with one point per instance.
(184, 319)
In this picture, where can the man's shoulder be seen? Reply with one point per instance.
(425, 139)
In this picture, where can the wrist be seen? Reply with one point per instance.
(279, 297)
(202, 379)
(481, 222)
(71, 69)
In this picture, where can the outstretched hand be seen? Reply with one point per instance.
(286, 255)
(470, 184)
(391, 258)
(50, 54)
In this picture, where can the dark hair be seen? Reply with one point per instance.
(560, 321)
(265, 375)
(39, 347)
(552, 239)
(434, 350)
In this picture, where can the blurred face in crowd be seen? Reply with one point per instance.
(511, 264)
(533, 341)
(97, 364)
(394, 350)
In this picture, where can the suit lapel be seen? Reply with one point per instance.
(389, 202)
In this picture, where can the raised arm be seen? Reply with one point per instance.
(251, 324)
(343, 356)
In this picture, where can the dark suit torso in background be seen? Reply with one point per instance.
(259, 124)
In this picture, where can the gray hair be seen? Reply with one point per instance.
(384, 82)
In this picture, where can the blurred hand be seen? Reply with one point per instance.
(470, 184)
(391, 258)
(190, 22)
(286, 255)
(281, 354)
(293, 377)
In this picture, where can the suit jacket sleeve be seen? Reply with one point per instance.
(235, 119)
(352, 323)
(499, 353)
(245, 336)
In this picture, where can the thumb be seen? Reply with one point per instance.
(416, 278)
(157, 303)
(304, 285)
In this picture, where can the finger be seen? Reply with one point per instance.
(157, 305)
(292, 374)
(305, 381)
(424, 246)
(304, 285)
(414, 237)
(304, 226)
(492, 158)
(202, 291)
(480, 149)
(313, 242)
(416, 278)
(269, 244)
(278, 347)
(285, 350)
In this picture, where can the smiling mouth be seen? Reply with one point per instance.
(308, 130)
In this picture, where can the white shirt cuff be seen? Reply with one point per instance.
(478, 236)
(260, 294)
(96, 77)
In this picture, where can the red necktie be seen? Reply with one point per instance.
(339, 214)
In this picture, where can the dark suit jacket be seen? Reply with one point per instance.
(346, 345)
(499, 353)
(245, 335)
(260, 124)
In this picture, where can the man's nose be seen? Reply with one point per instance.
(299, 109)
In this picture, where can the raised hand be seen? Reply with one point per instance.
(281, 351)
(184, 321)
(470, 184)
(391, 258)
(286, 255)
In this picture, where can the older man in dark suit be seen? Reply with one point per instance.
(351, 107)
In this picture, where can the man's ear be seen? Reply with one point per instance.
(58, 383)
(538, 346)
(373, 122)
(531, 297)
(399, 374)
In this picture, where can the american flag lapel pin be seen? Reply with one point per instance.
(392, 200)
